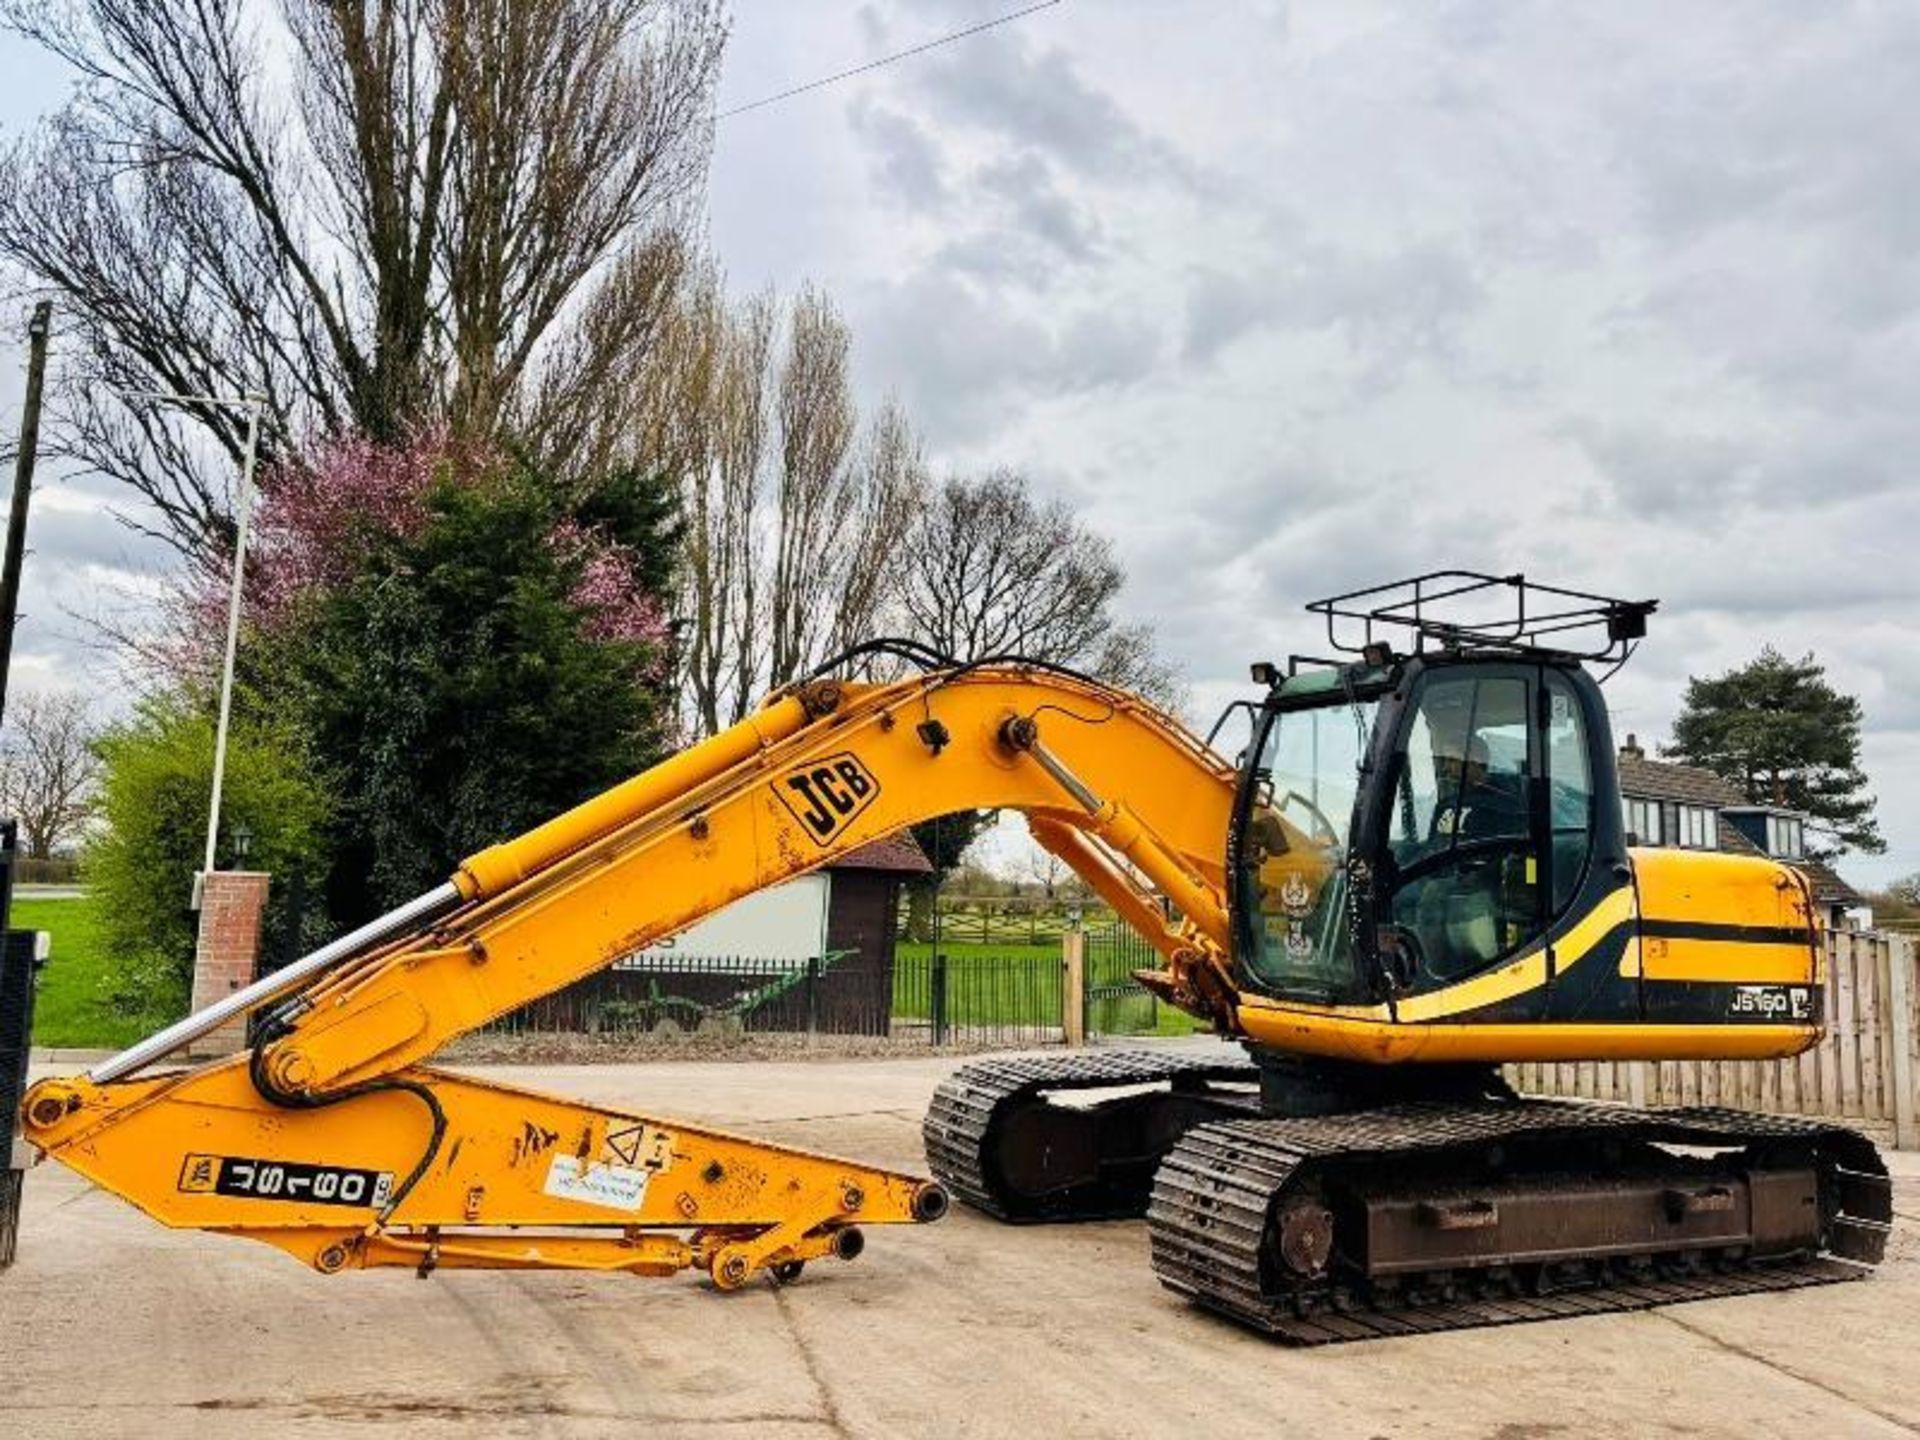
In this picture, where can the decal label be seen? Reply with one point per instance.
(284, 1180)
(825, 795)
(617, 1187)
(646, 1147)
(1771, 1002)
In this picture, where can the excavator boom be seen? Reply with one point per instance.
(330, 1138)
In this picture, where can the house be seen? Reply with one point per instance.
(1693, 809)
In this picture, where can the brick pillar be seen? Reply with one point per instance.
(233, 904)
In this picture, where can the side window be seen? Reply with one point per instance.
(1569, 789)
(1461, 837)
(1416, 791)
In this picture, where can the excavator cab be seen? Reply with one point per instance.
(1405, 822)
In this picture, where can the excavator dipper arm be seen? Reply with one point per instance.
(331, 1140)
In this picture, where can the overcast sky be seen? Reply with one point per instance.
(1291, 297)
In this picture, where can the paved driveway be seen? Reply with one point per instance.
(110, 1325)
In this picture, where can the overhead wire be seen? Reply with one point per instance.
(885, 60)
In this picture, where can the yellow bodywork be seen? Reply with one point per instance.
(663, 1196)
(1737, 891)
(1130, 799)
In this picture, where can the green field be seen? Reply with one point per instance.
(71, 1010)
(992, 985)
(919, 951)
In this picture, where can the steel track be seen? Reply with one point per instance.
(1209, 1219)
(970, 1104)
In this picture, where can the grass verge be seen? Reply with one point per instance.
(992, 985)
(71, 1010)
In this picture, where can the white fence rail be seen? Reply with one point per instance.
(1867, 1068)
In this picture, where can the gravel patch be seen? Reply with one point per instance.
(558, 1048)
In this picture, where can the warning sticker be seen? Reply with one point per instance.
(645, 1147)
(616, 1186)
(625, 1143)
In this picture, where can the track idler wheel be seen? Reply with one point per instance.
(1303, 1237)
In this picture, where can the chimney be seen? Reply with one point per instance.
(1631, 750)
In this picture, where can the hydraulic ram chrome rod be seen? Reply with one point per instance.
(272, 987)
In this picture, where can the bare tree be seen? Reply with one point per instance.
(793, 509)
(1047, 870)
(990, 571)
(987, 570)
(373, 212)
(48, 766)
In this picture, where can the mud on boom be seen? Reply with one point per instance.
(1414, 873)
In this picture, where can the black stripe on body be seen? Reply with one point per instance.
(1740, 934)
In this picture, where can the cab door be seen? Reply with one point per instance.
(1502, 850)
(1466, 838)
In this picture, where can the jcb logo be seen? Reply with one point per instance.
(200, 1174)
(825, 795)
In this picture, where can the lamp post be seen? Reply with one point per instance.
(252, 403)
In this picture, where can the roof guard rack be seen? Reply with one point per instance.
(1466, 610)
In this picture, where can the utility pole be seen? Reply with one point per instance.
(37, 331)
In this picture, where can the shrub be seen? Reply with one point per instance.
(156, 781)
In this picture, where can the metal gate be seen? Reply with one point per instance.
(1115, 1003)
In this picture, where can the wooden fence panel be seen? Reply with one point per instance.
(1866, 1067)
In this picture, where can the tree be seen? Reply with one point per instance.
(492, 653)
(374, 214)
(157, 771)
(48, 767)
(988, 570)
(1047, 870)
(794, 510)
(1777, 729)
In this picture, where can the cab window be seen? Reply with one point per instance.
(1569, 790)
(1465, 867)
(1295, 845)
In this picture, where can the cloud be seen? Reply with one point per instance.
(906, 161)
(1037, 98)
(1293, 301)
(1221, 307)
(963, 363)
(1036, 206)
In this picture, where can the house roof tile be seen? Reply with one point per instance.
(1828, 887)
(1644, 779)
(898, 852)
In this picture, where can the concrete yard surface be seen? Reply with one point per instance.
(112, 1325)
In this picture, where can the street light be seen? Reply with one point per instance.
(253, 402)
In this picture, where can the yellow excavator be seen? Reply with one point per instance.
(1413, 873)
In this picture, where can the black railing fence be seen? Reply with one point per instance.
(971, 995)
(979, 999)
(988, 920)
(1116, 1003)
(959, 1000)
(680, 994)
